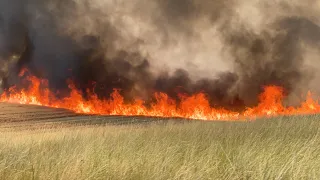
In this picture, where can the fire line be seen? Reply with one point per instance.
(192, 107)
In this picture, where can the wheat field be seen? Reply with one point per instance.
(277, 148)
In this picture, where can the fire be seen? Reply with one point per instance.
(192, 107)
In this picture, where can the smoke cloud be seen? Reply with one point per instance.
(224, 48)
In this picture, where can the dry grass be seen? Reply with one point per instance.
(281, 148)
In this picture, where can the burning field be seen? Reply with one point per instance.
(195, 106)
(247, 70)
(169, 59)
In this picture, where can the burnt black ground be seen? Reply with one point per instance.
(32, 116)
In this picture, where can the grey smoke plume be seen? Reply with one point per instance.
(225, 48)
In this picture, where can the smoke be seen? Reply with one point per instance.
(226, 49)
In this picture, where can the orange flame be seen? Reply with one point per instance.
(191, 107)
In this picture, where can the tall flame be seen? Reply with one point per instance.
(192, 107)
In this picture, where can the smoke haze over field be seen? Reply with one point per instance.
(225, 48)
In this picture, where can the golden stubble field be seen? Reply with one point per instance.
(44, 143)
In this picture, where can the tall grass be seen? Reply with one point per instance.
(281, 148)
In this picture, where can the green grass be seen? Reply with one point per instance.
(280, 148)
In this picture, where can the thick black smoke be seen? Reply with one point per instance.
(103, 45)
